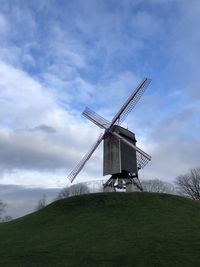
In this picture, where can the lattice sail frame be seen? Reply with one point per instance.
(96, 118)
(87, 156)
(133, 102)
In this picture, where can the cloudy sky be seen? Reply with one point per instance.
(56, 57)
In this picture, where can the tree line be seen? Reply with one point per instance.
(4, 218)
(187, 185)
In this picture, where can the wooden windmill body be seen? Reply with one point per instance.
(122, 159)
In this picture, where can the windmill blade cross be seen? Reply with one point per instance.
(142, 157)
(96, 118)
(87, 156)
(130, 102)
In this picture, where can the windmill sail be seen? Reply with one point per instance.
(87, 156)
(130, 102)
(133, 102)
(141, 160)
(96, 118)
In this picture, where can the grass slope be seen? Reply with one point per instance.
(113, 229)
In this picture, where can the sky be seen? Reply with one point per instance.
(56, 57)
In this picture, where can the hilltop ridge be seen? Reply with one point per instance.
(106, 229)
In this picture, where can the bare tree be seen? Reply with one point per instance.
(64, 193)
(189, 184)
(74, 190)
(2, 209)
(7, 218)
(157, 186)
(41, 203)
(78, 189)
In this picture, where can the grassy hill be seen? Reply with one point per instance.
(110, 229)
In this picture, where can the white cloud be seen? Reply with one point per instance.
(23, 99)
(26, 105)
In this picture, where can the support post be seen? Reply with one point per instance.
(123, 180)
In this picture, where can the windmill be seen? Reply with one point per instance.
(121, 157)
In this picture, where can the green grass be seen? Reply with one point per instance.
(110, 229)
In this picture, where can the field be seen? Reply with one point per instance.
(106, 229)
